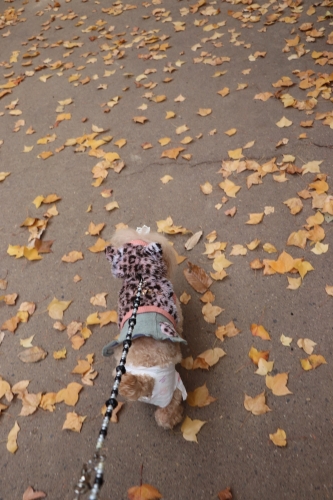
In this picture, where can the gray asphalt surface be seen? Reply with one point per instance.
(113, 45)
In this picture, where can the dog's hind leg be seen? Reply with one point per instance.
(172, 414)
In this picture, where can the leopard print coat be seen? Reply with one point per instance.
(130, 261)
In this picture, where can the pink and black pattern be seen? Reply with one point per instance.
(129, 262)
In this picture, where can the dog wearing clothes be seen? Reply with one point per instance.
(150, 367)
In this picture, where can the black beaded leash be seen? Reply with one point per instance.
(97, 463)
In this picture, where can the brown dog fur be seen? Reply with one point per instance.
(148, 352)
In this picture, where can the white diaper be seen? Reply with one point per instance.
(167, 380)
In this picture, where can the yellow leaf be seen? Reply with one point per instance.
(190, 429)
(279, 438)
(256, 405)
(210, 312)
(111, 157)
(320, 248)
(278, 384)
(45, 155)
(164, 141)
(187, 363)
(111, 206)
(294, 283)
(185, 298)
(99, 246)
(82, 367)
(70, 394)
(284, 122)
(72, 257)
(172, 153)
(329, 290)
(303, 267)
(284, 264)
(259, 331)
(206, 188)
(253, 244)
(307, 345)
(255, 218)
(3, 175)
(294, 204)
(139, 119)
(60, 354)
(186, 140)
(57, 307)
(286, 341)
(38, 201)
(210, 357)
(73, 422)
(231, 132)
(269, 248)
(27, 149)
(93, 319)
(238, 250)
(166, 178)
(27, 342)
(224, 92)
(108, 317)
(47, 139)
(12, 438)
(298, 238)
(170, 114)
(264, 367)
(167, 226)
(143, 492)
(312, 167)
(256, 355)
(220, 263)
(236, 154)
(204, 111)
(200, 397)
(120, 143)
(63, 116)
(229, 188)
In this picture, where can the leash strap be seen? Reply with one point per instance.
(97, 463)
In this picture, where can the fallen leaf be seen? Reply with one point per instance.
(99, 246)
(108, 317)
(172, 154)
(206, 188)
(259, 331)
(143, 492)
(187, 363)
(313, 362)
(329, 290)
(229, 188)
(284, 264)
(95, 229)
(166, 179)
(26, 342)
(12, 438)
(238, 250)
(57, 307)
(30, 494)
(284, 122)
(255, 218)
(231, 132)
(209, 357)
(256, 355)
(278, 384)
(200, 397)
(60, 354)
(210, 312)
(185, 298)
(72, 257)
(256, 405)
(32, 355)
(70, 394)
(167, 226)
(225, 494)
(191, 242)
(204, 111)
(264, 367)
(295, 205)
(279, 438)
(307, 345)
(73, 422)
(190, 429)
(286, 341)
(99, 299)
(294, 283)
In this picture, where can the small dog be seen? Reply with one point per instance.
(150, 367)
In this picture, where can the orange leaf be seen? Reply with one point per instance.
(255, 355)
(143, 492)
(259, 331)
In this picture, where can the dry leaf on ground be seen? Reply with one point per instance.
(278, 384)
(30, 494)
(197, 278)
(279, 438)
(256, 405)
(190, 429)
(200, 397)
(143, 492)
